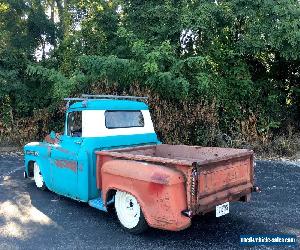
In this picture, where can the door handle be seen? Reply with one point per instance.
(78, 142)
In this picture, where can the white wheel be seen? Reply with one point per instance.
(37, 176)
(129, 212)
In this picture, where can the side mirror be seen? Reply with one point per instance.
(52, 135)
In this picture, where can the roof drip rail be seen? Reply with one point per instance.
(114, 97)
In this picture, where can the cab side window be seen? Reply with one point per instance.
(74, 124)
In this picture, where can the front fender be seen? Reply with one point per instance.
(160, 191)
(38, 152)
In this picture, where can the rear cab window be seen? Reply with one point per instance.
(124, 119)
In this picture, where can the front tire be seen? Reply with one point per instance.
(38, 177)
(129, 213)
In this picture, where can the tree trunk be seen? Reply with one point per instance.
(60, 6)
(52, 10)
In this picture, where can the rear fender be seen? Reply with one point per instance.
(159, 190)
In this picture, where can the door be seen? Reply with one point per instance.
(64, 157)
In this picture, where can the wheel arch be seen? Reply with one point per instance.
(29, 167)
(110, 194)
(112, 190)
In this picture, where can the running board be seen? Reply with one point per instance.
(98, 203)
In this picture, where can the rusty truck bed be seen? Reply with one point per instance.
(212, 175)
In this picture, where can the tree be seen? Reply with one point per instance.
(239, 57)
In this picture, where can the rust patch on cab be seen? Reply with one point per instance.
(52, 141)
(72, 165)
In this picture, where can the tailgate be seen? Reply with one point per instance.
(221, 181)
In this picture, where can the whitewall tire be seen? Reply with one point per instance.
(38, 177)
(129, 213)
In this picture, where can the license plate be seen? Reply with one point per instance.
(222, 209)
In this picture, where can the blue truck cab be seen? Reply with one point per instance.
(66, 164)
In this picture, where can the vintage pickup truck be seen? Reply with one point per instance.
(110, 157)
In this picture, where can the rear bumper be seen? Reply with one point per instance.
(207, 203)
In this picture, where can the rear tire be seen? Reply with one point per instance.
(38, 177)
(129, 213)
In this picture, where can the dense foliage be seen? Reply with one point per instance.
(215, 71)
